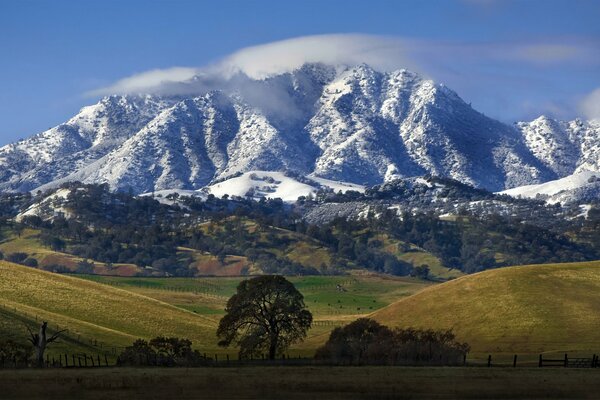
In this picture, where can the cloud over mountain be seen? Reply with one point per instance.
(509, 80)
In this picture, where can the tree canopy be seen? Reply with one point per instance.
(267, 314)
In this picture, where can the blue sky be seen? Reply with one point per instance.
(510, 59)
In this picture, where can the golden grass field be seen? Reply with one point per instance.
(526, 309)
(89, 310)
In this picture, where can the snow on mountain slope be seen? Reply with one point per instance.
(351, 124)
(564, 146)
(273, 185)
(49, 207)
(88, 136)
(262, 184)
(371, 125)
(337, 186)
(582, 186)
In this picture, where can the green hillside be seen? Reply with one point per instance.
(525, 309)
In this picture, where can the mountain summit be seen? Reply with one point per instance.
(351, 124)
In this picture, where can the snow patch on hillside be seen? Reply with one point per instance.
(551, 190)
(49, 207)
(273, 185)
(257, 184)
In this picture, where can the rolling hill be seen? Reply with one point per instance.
(91, 311)
(525, 309)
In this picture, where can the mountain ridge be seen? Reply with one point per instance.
(355, 125)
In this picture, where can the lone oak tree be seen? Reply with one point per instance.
(266, 314)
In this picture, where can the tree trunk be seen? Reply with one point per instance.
(273, 347)
(40, 346)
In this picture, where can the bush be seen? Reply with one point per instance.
(10, 351)
(85, 267)
(16, 257)
(161, 352)
(30, 262)
(56, 268)
(365, 341)
(421, 271)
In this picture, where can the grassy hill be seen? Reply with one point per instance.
(104, 313)
(93, 313)
(525, 309)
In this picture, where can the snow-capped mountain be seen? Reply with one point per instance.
(351, 124)
(94, 132)
(566, 147)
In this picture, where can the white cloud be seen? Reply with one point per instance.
(590, 105)
(509, 72)
(149, 81)
(380, 52)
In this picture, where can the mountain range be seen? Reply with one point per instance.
(351, 124)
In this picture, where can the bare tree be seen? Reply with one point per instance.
(40, 341)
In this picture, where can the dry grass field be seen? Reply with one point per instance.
(300, 383)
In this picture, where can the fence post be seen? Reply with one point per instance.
(566, 361)
(490, 360)
(540, 364)
(515, 361)
(66, 360)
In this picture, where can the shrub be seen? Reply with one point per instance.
(16, 257)
(10, 351)
(30, 262)
(56, 268)
(163, 352)
(85, 267)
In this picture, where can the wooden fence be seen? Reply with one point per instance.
(82, 360)
(542, 361)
